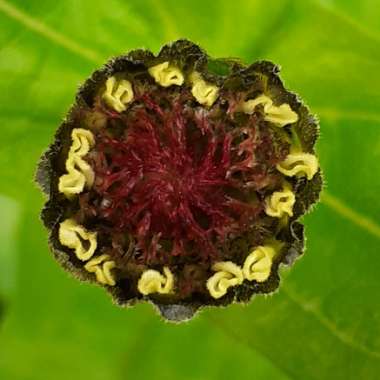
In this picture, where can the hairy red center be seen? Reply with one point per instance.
(176, 180)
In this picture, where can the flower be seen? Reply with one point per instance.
(179, 179)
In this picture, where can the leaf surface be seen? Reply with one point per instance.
(324, 323)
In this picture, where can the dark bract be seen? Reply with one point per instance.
(179, 179)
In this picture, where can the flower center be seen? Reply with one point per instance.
(175, 179)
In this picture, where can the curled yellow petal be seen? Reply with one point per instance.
(118, 93)
(279, 115)
(280, 203)
(101, 266)
(72, 183)
(204, 92)
(299, 164)
(258, 264)
(166, 74)
(83, 140)
(79, 172)
(152, 281)
(227, 274)
(76, 237)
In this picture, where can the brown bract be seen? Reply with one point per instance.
(180, 179)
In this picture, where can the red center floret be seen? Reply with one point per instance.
(175, 179)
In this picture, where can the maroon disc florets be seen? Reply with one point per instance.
(182, 174)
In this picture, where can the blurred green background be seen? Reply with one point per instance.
(323, 323)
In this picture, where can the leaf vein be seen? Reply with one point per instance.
(345, 338)
(348, 213)
(58, 38)
(348, 20)
(340, 114)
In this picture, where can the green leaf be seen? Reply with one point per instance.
(324, 323)
(10, 211)
(361, 15)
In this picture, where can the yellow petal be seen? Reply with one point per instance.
(152, 281)
(227, 274)
(79, 172)
(279, 115)
(72, 183)
(73, 236)
(280, 203)
(101, 266)
(204, 92)
(258, 264)
(166, 74)
(299, 164)
(118, 94)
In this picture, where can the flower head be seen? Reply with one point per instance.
(179, 179)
